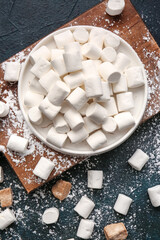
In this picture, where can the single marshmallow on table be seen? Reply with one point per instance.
(4, 109)
(77, 136)
(124, 120)
(77, 98)
(84, 207)
(106, 93)
(96, 140)
(74, 80)
(135, 77)
(93, 86)
(115, 7)
(121, 85)
(96, 37)
(50, 215)
(72, 61)
(122, 204)
(89, 68)
(125, 101)
(62, 38)
(96, 113)
(43, 168)
(90, 125)
(59, 65)
(110, 125)
(111, 107)
(108, 54)
(42, 52)
(111, 40)
(83, 110)
(85, 229)
(81, 35)
(58, 93)
(35, 86)
(32, 99)
(154, 195)
(138, 159)
(109, 72)
(12, 71)
(48, 109)
(74, 119)
(1, 175)
(55, 138)
(49, 79)
(60, 124)
(122, 62)
(41, 67)
(17, 143)
(90, 50)
(95, 179)
(7, 217)
(56, 53)
(35, 115)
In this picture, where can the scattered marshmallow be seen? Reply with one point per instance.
(84, 207)
(115, 7)
(50, 215)
(81, 35)
(60, 124)
(4, 109)
(42, 52)
(74, 119)
(12, 71)
(106, 93)
(109, 72)
(115, 231)
(95, 179)
(55, 53)
(49, 79)
(77, 136)
(122, 62)
(85, 229)
(7, 217)
(90, 50)
(72, 61)
(111, 107)
(1, 175)
(122, 204)
(108, 54)
(59, 65)
(83, 110)
(48, 109)
(96, 140)
(121, 85)
(90, 125)
(43, 168)
(32, 99)
(35, 115)
(154, 195)
(74, 80)
(41, 67)
(124, 120)
(62, 38)
(138, 160)
(110, 125)
(56, 138)
(17, 143)
(111, 40)
(77, 98)
(125, 101)
(36, 87)
(61, 189)
(6, 197)
(96, 113)
(89, 68)
(93, 86)
(135, 77)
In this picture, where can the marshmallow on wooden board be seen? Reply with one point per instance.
(96, 140)
(42, 52)
(90, 50)
(121, 85)
(55, 53)
(108, 54)
(110, 125)
(7, 217)
(77, 98)
(124, 120)
(35, 86)
(109, 72)
(111, 40)
(96, 113)
(122, 204)
(81, 35)
(12, 71)
(32, 99)
(85, 229)
(125, 101)
(72, 61)
(43, 168)
(90, 125)
(97, 36)
(89, 68)
(58, 93)
(154, 195)
(35, 115)
(138, 159)
(93, 86)
(4, 109)
(74, 119)
(115, 7)
(17, 143)
(77, 136)
(62, 38)
(83, 110)
(115, 231)
(60, 124)
(49, 79)
(1, 175)
(111, 107)
(122, 62)
(84, 207)
(48, 109)
(50, 215)
(106, 93)
(135, 77)
(6, 197)
(74, 80)
(55, 138)
(59, 65)
(41, 67)
(95, 179)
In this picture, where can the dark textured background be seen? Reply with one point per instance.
(22, 22)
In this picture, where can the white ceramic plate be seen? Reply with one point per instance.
(83, 149)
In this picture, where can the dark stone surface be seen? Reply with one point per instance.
(23, 22)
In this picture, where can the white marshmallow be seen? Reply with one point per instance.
(41, 67)
(115, 7)
(97, 36)
(122, 62)
(42, 52)
(50, 215)
(110, 125)
(109, 72)
(90, 125)
(48, 109)
(106, 93)
(121, 85)
(124, 120)
(96, 113)
(62, 38)
(138, 159)
(110, 89)
(49, 79)
(4, 109)
(74, 119)
(97, 63)
(111, 40)
(72, 47)
(95, 179)
(35, 115)
(32, 99)
(125, 101)
(111, 107)
(154, 195)
(93, 86)
(12, 71)
(90, 50)
(108, 54)
(77, 136)
(73, 61)
(122, 204)
(1, 175)
(84, 207)
(77, 98)
(135, 77)
(17, 143)
(85, 229)
(89, 68)
(60, 124)
(58, 93)
(83, 110)
(97, 140)
(7, 217)
(74, 80)
(55, 138)
(65, 107)
(36, 87)
(56, 53)
(43, 168)
(81, 35)
(59, 65)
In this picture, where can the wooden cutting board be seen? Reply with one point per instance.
(131, 28)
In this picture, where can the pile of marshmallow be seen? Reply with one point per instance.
(82, 86)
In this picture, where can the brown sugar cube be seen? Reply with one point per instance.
(6, 197)
(115, 231)
(61, 189)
